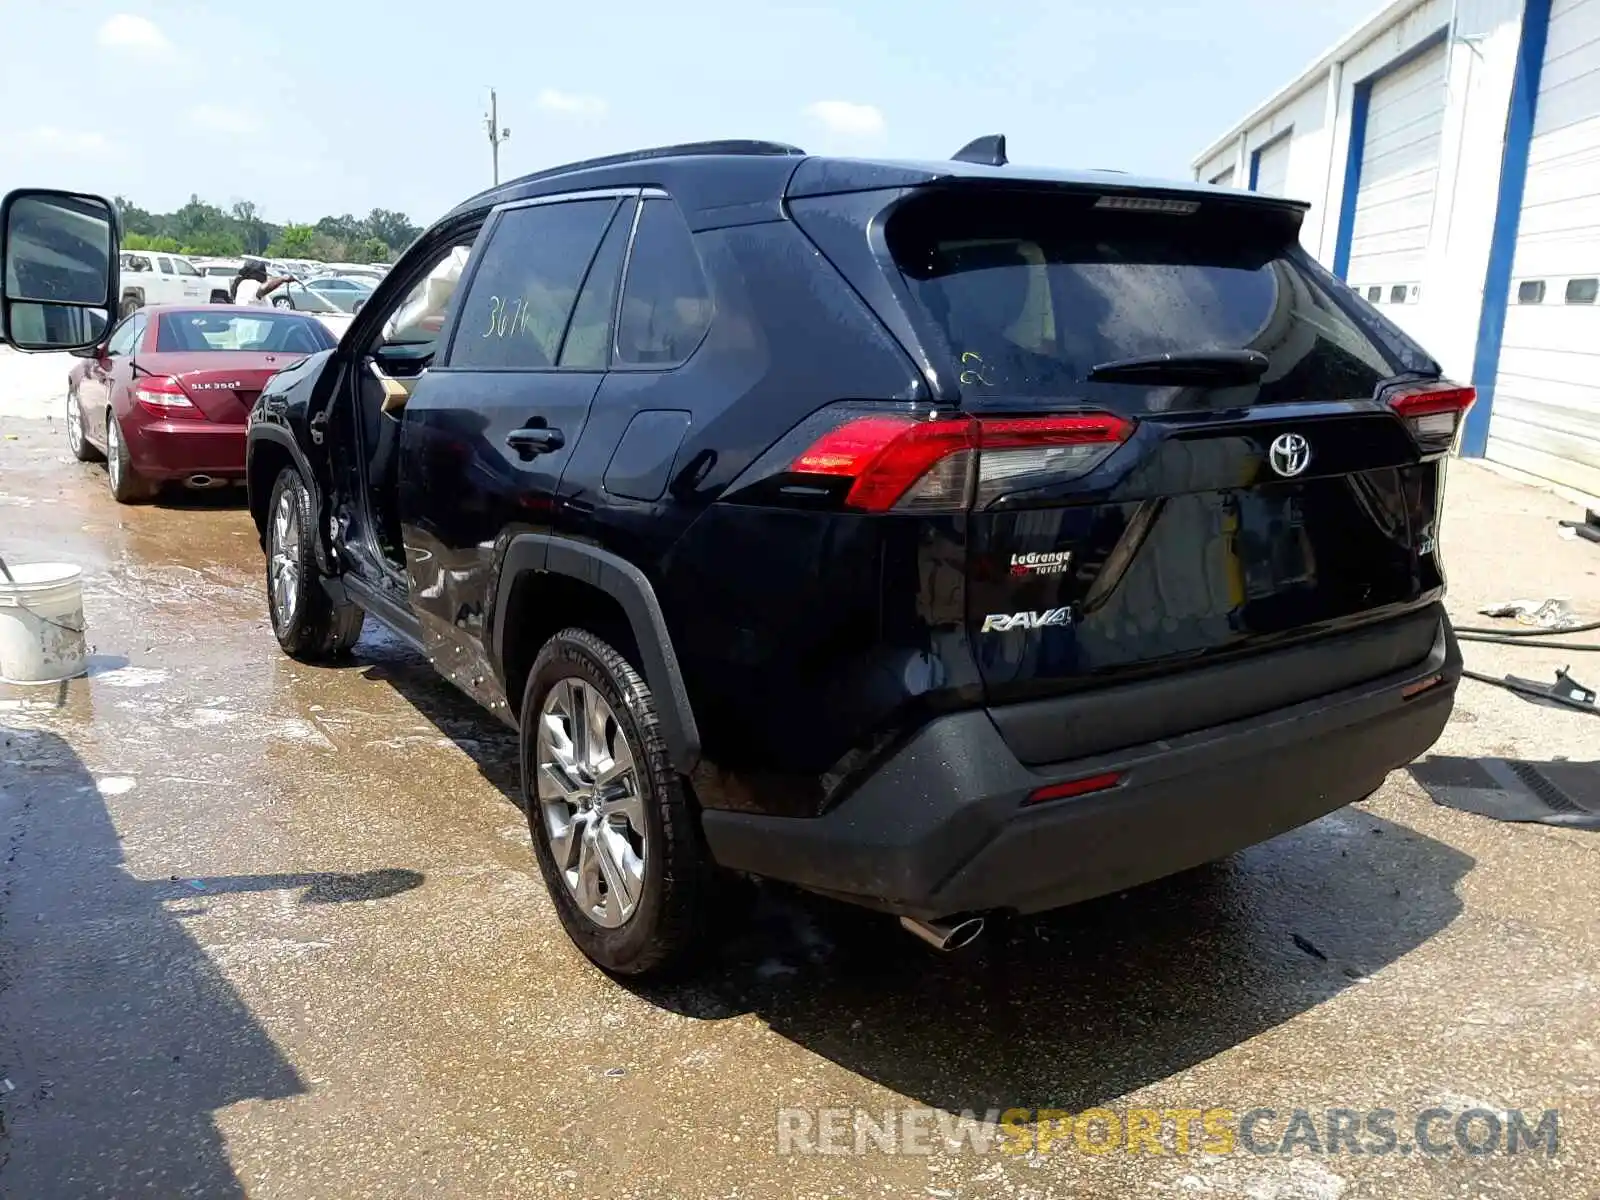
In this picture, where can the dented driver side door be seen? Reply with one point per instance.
(487, 439)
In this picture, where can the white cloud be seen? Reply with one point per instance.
(848, 119)
(69, 141)
(217, 119)
(571, 104)
(128, 32)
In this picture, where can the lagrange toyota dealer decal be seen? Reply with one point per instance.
(1054, 562)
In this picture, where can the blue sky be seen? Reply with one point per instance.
(345, 105)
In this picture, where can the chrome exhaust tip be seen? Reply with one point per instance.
(945, 935)
(201, 481)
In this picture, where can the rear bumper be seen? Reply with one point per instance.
(942, 827)
(181, 448)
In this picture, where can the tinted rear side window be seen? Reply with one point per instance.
(1033, 291)
(515, 311)
(666, 308)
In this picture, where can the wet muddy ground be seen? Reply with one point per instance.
(276, 930)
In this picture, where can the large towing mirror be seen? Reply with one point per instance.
(58, 288)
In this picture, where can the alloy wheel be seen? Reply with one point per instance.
(74, 423)
(589, 799)
(113, 452)
(284, 567)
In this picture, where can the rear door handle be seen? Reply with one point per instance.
(528, 442)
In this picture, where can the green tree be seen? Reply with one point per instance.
(143, 241)
(295, 241)
(222, 243)
(252, 230)
(197, 219)
(393, 229)
(347, 228)
(207, 229)
(326, 249)
(134, 218)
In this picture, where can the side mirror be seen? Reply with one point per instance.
(59, 282)
(97, 351)
(356, 307)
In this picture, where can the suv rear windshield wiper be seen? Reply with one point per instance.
(1213, 368)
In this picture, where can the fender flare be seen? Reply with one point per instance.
(628, 586)
(283, 438)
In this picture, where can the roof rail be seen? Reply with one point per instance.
(731, 146)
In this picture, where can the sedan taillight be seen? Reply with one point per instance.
(164, 397)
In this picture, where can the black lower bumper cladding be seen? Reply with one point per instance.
(945, 826)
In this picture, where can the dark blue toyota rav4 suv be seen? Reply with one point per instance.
(945, 537)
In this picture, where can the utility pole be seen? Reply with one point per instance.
(497, 133)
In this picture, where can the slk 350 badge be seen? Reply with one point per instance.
(1002, 622)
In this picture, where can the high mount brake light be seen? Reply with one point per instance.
(898, 462)
(164, 397)
(1433, 411)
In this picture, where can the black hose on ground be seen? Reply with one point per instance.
(1529, 633)
(1537, 644)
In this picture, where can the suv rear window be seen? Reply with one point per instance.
(1032, 291)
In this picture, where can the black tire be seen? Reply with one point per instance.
(126, 484)
(130, 305)
(219, 297)
(312, 628)
(671, 924)
(77, 439)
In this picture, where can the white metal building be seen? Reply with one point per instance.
(1451, 155)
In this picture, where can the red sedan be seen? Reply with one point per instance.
(164, 398)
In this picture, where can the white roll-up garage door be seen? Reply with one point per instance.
(1272, 168)
(1399, 169)
(1546, 416)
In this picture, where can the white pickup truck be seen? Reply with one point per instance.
(151, 278)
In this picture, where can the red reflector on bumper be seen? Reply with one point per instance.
(1075, 787)
(1420, 686)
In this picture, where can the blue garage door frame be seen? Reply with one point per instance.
(1360, 101)
(1508, 214)
(1272, 143)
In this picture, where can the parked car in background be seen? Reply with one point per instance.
(365, 275)
(165, 396)
(950, 538)
(342, 290)
(332, 311)
(149, 277)
(219, 274)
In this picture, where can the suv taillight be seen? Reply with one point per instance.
(164, 397)
(1433, 411)
(897, 462)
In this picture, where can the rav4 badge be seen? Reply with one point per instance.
(1002, 622)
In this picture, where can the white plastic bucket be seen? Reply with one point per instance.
(41, 623)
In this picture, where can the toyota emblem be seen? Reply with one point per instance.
(1289, 454)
